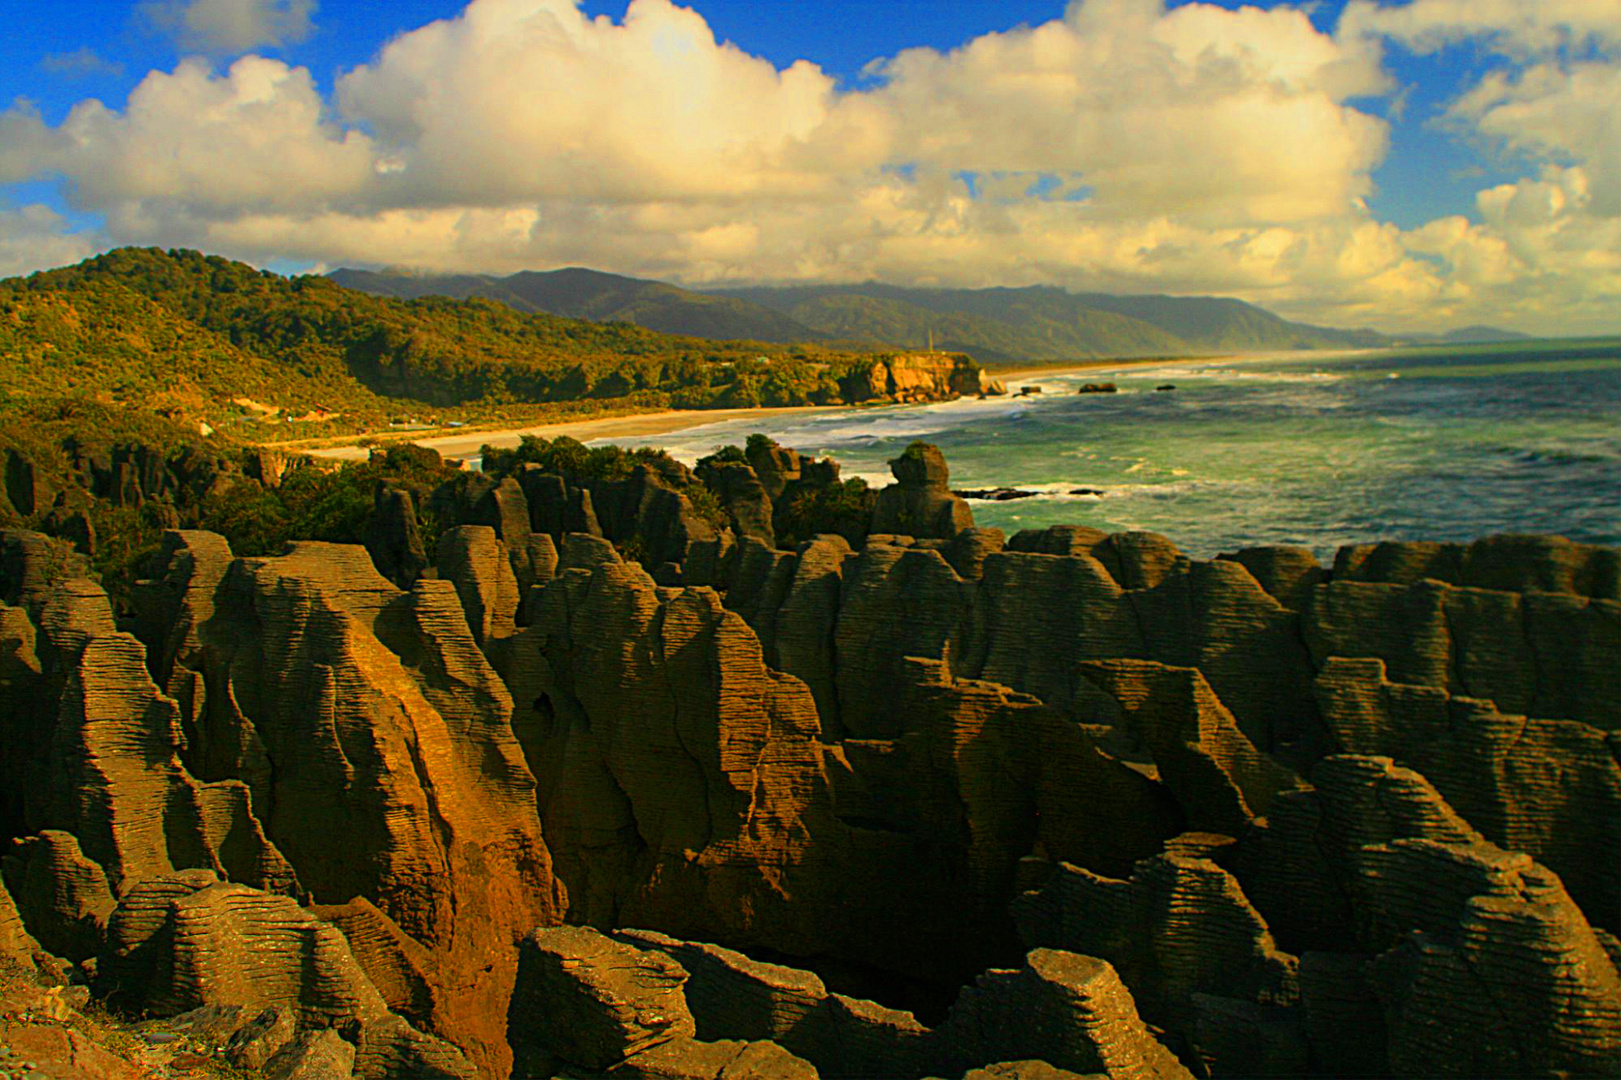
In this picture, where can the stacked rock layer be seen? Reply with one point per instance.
(904, 803)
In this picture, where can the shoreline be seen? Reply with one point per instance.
(641, 425)
(1065, 367)
(628, 425)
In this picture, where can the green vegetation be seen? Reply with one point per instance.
(1011, 326)
(213, 486)
(843, 507)
(591, 294)
(204, 339)
(586, 465)
(574, 460)
(1042, 323)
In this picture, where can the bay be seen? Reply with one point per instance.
(1317, 450)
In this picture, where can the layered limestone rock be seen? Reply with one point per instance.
(394, 539)
(744, 497)
(1302, 868)
(1171, 716)
(1541, 654)
(1069, 1011)
(585, 999)
(116, 782)
(1508, 563)
(897, 603)
(63, 896)
(1051, 600)
(188, 941)
(17, 946)
(858, 753)
(629, 1006)
(1550, 788)
(1501, 974)
(688, 787)
(920, 503)
(734, 998)
(471, 557)
(1177, 928)
(1477, 957)
(358, 710)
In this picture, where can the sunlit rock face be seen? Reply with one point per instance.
(613, 784)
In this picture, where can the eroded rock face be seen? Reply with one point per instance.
(629, 1005)
(377, 714)
(189, 941)
(303, 698)
(687, 786)
(585, 999)
(1067, 1010)
(1181, 775)
(17, 946)
(1177, 928)
(1502, 974)
(64, 893)
(1550, 788)
(920, 503)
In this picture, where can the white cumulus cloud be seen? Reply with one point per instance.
(1123, 147)
(36, 236)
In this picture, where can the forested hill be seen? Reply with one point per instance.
(1046, 323)
(1038, 323)
(591, 294)
(199, 335)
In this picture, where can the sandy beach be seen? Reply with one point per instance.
(467, 444)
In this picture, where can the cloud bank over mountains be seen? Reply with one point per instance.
(1123, 148)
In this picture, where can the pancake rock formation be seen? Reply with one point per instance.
(749, 771)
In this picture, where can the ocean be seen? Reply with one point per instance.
(1317, 450)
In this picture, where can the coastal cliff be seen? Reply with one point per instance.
(593, 766)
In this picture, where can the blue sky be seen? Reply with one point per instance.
(1324, 160)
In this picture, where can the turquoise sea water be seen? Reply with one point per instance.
(1320, 450)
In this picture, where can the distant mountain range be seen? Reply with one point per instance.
(590, 294)
(1037, 323)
